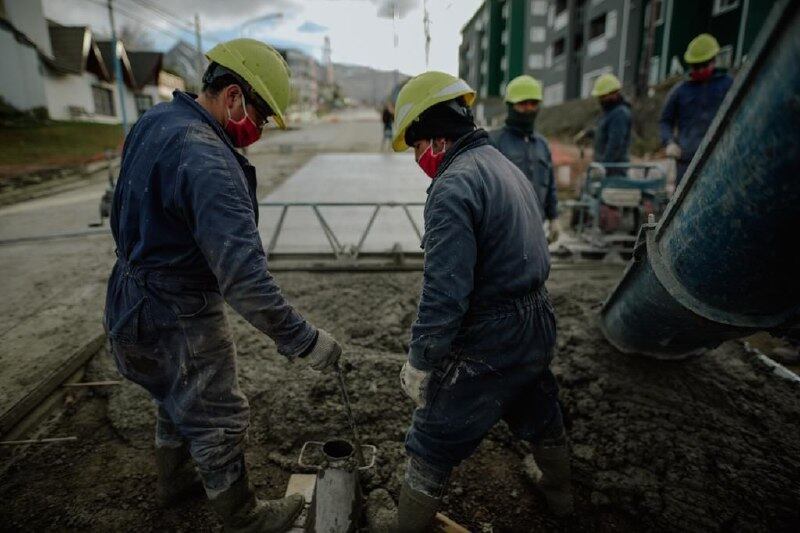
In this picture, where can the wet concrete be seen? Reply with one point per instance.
(359, 178)
(707, 444)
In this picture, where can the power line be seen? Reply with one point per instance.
(165, 15)
(142, 21)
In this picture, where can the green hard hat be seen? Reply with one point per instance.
(262, 67)
(606, 84)
(523, 88)
(702, 48)
(422, 92)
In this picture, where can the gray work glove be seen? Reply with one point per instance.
(414, 383)
(325, 353)
(673, 150)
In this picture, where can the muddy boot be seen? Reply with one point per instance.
(554, 479)
(242, 512)
(416, 510)
(177, 478)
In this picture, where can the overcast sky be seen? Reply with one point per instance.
(361, 31)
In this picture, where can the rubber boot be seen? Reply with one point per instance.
(555, 482)
(416, 510)
(242, 512)
(177, 478)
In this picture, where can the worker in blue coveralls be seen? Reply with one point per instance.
(523, 146)
(485, 331)
(692, 104)
(184, 220)
(612, 136)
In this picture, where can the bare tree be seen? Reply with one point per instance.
(134, 37)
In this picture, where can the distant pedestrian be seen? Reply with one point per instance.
(526, 148)
(692, 104)
(612, 136)
(387, 117)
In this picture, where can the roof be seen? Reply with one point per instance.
(70, 47)
(107, 54)
(145, 67)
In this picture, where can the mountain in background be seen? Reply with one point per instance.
(366, 84)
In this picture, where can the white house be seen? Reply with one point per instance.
(24, 54)
(64, 70)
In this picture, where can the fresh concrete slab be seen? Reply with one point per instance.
(349, 178)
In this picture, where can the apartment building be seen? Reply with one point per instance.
(567, 44)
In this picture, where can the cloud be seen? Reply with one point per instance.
(311, 27)
(387, 8)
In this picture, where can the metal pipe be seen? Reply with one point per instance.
(366, 231)
(723, 261)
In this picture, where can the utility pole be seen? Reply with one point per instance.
(426, 24)
(118, 68)
(199, 46)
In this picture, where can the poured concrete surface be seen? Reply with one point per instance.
(337, 178)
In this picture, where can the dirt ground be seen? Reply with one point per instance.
(706, 444)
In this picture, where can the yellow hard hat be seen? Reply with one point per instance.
(523, 88)
(606, 84)
(422, 92)
(262, 67)
(702, 48)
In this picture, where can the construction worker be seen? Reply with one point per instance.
(612, 136)
(520, 143)
(184, 221)
(693, 103)
(485, 331)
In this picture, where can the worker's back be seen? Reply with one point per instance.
(170, 146)
(512, 258)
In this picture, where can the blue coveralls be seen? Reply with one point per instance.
(690, 107)
(612, 139)
(184, 220)
(531, 154)
(485, 327)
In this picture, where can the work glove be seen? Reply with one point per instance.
(414, 383)
(673, 150)
(325, 353)
(553, 230)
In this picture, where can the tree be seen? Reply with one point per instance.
(133, 37)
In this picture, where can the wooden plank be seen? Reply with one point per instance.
(446, 525)
(48, 385)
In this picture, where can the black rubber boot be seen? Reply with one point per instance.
(242, 512)
(177, 478)
(555, 483)
(416, 510)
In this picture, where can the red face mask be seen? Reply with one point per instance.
(429, 162)
(242, 132)
(702, 74)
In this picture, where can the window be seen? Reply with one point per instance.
(725, 57)
(535, 61)
(723, 6)
(103, 101)
(143, 103)
(597, 26)
(558, 48)
(537, 34)
(659, 7)
(539, 7)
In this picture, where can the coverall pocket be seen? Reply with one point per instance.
(143, 364)
(188, 304)
(128, 318)
(543, 172)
